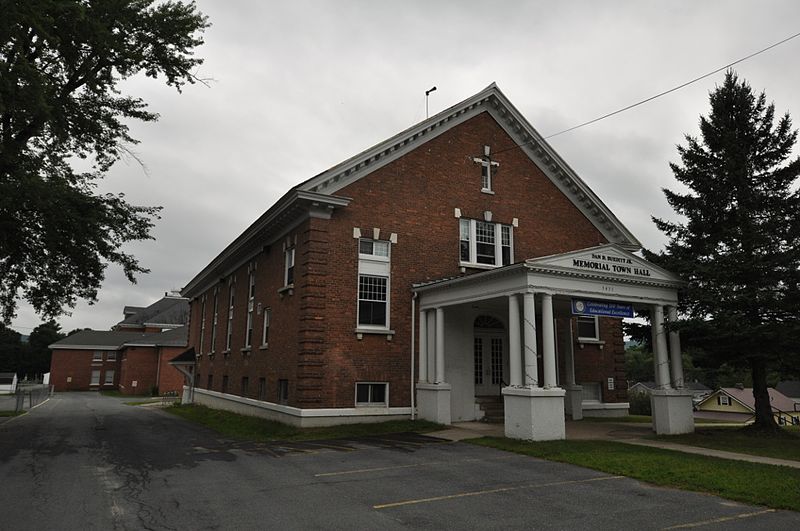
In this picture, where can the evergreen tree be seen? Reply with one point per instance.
(38, 353)
(738, 241)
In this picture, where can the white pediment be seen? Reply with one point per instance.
(606, 261)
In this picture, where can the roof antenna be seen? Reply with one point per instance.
(427, 93)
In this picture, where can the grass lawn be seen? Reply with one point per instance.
(256, 429)
(785, 445)
(10, 413)
(771, 486)
(646, 419)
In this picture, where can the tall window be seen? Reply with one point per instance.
(488, 167)
(283, 391)
(251, 296)
(109, 377)
(265, 331)
(288, 277)
(373, 284)
(229, 335)
(262, 388)
(245, 385)
(202, 322)
(95, 377)
(485, 244)
(214, 322)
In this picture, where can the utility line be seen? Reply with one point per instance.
(651, 98)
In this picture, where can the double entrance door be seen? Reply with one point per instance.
(490, 372)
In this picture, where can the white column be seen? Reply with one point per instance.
(675, 358)
(660, 347)
(514, 350)
(423, 346)
(439, 378)
(548, 341)
(529, 332)
(570, 357)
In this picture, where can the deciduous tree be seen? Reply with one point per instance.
(61, 101)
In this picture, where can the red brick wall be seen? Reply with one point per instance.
(312, 342)
(139, 365)
(71, 370)
(169, 378)
(596, 365)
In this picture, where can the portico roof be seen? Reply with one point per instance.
(606, 272)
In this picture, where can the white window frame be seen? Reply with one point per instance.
(108, 372)
(95, 380)
(596, 398)
(596, 328)
(371, 403)
(723, 400)
(486, 172)
(251, 297)
(97, 355)
(111, 355)
(202, 323)
(215, 322)
(265, 330)
(229, 332)
(288, 266)
(471, 226)
(376, 265)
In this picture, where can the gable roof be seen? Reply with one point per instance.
(745, 397)
(318, 192)
(790, 388)
(115, 339)
(491, 100)
(187, 357)
(168, 312)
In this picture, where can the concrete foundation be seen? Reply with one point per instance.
(433, 402)
(573, 400)
(534, 414)
(672, 411)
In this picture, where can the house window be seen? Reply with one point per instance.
(723, 400)
(265, 330)
(262, 388)
(283, 391)
(591, 392)
(109, 378)
(202, 323)
(95, 378)
(210, 384)
(214, 322)
(373, 283)
(487, 169)
(371, 394)
(224, 383)
(229, 334)
(251, 295)
(111, 355)
(245, 385)
(485, 244)
(97, 355)
(288, 275)
(587, 328)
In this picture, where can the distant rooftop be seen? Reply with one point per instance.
(171, 311)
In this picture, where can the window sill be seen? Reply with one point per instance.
(265, 346)
(586, 341)
(374, 331)
(487, 191)
(286, 289)
(372, 404)
(245, 350)
(470, 265)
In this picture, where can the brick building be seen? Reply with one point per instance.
(460, 260)
(132, 357)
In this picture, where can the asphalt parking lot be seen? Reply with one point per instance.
(83, 461)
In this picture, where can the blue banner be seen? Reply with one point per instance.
(601, 308)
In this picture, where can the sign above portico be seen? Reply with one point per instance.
(609, 261)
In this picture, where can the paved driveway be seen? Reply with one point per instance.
(83, 461)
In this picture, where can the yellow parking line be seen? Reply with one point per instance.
(429, 463)
(490, 491)
(721, 519)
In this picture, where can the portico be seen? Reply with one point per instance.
(523, 312)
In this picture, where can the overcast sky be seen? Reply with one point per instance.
(300, 86)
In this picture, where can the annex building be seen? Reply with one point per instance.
(457, 271)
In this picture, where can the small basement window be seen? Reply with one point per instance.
(372, 394)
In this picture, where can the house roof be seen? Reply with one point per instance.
(115, 339)
(745, 397)
(318, 192)
(187, 357)
(169, 311)
(692, 386)
(789, 388)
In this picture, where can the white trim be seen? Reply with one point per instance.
(362, 405)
